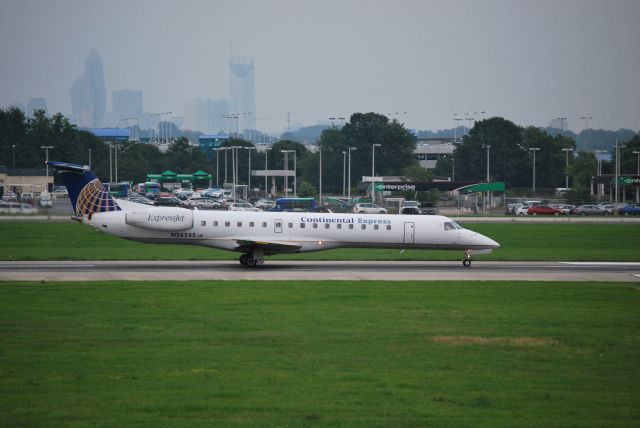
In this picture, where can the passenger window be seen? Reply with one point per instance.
(215, 223)
(251, 224)
(264, 224)
(376, 227)
(239, 224)
(339, 225)
(315, 225)
(327, 225)
(363, 226)
(290, 225)
(302, 225)
(203, 223)
(350, 226)
(388, 227)
(227, 223)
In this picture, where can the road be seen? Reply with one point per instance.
(274, 270)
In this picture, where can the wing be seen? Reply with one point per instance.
(269, 247)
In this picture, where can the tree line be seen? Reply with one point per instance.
(509, 147)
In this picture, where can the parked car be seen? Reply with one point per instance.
(264, 204)
(45, 201)
(629, 209)
(565, 209)
(523, 210)
(410, 207)
(511, 208)
(368, 208)
(60, 192)
(203, 203)
(590, 210)
(429, 208)
(10, 197)
(242, 206)
(16, 208)
(141, 200)
(27, 198)
(543, 210)
(170, 201)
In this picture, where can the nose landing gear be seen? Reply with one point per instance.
(467, 259)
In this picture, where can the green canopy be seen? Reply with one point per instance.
(495, 186)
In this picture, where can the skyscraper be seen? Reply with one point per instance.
(36, 104)
(88, 94)
(127, 103)
(241, 91)
(206, 115)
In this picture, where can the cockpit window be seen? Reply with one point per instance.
(451, 225)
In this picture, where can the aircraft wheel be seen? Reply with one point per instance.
(466, 263)
(251, 262)
(244, 259)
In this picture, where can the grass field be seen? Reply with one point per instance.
(520, 241)
(382, 354)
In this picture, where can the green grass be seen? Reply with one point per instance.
(520, 241)
(381, 354)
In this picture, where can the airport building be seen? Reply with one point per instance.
(429, 150)
(21, 180)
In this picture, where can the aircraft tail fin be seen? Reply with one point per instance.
(86, 192)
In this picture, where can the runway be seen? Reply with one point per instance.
(274, 270)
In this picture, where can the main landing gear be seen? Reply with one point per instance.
(251, 260)
(467, 259)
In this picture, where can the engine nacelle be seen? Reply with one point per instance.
(169, 219)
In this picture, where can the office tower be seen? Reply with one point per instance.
(88, 94)
(127, 103)
(242, 95)
(206, 115)
(36, 104)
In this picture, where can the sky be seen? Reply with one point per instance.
(527, 61)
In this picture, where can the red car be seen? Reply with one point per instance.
(543, 210)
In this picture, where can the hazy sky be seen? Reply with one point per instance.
(529, 61)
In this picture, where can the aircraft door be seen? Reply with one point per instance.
(409, 232)
(277, 226)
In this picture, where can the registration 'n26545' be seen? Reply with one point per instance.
(184, 235)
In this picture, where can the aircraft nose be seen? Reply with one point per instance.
(490, 243)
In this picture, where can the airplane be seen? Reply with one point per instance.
(261, 234)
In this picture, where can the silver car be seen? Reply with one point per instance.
(368, 208)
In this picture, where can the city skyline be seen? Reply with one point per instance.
(530, 62)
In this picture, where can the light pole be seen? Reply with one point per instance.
(217, 150)
(13, 146)
(234, 168)
(534, 150)
(488, 147)
(637, 153)
(249, 173)
(373, 170)
(561, 119)
(586, 119)
(110, 164)
(617, 170)
(266, 172)
(349, 175)
(455, 126)
(320, 180)
(344, 172)
(286, 174)
(599, 172)
(46, 150)
(566, 176)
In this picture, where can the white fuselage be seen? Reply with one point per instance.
(285, 232)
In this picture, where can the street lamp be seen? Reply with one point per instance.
(266, 173)
(344, 171)
(217, 150)
(637, 153)
(234, 168)
(249, 173)
(286, 174)
(561, 119)
(534, 150)
(349, 175)
(586, 119)
(373, 169)
(566, 176)
(455, 129)
(320, 179)
(599, 172)
(13, 146)
(46, 149)
(488, 147)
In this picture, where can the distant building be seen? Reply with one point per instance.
(24, 180)
(429, 150)
(206, 115)
(242, 103)
(208, 143)
(36, 104)
(127, 103)
(559, 123)
(88, 94)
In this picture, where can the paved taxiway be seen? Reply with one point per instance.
(275, 270)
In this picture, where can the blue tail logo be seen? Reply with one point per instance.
(87, 194)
